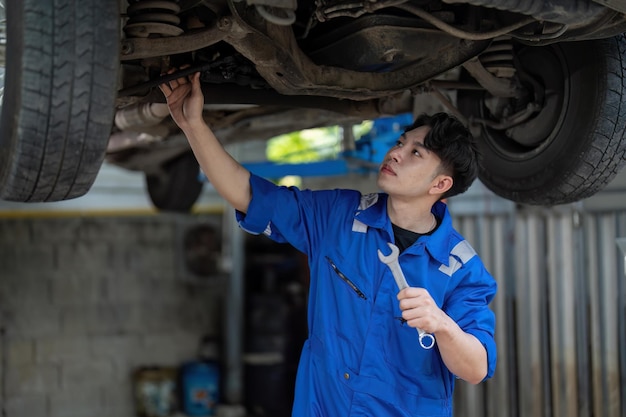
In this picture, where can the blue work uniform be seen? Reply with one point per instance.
(361, 358)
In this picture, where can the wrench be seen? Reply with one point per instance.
(391, 261)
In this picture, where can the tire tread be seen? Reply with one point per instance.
(65, 109)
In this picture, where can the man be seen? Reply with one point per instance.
(363, 356)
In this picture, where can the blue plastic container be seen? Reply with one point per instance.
(200, 388)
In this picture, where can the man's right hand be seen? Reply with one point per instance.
(186, 102)
(184, 99)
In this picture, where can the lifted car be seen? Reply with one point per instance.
(540, 83)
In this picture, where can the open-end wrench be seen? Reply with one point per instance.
(391, 261)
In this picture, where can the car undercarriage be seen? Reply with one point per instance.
(540, 84)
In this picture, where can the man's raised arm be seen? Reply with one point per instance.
(185, 101)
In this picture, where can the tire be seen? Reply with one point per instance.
(177, 187)
(575, 144)
(60, 86)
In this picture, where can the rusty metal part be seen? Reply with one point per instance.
(281, 62)
(143, 30)
(364, 109)
(141, 88)
(287, 19)
(439, 96)
(463, 34)
(561, 11)
(512, 120)
(497, 87)
(153, 18)
(140, 48)
(141, 115)
(352, 9)
(498, 59)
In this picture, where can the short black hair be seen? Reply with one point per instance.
(453, 143)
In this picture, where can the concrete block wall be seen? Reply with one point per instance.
(86, 300)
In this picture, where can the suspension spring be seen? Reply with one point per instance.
(152, 18)
(498, 58)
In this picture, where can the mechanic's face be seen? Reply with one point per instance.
(410, 170)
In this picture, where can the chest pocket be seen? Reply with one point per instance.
(354, 285)
(343, 311)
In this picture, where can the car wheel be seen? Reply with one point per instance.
(574, 144)
(59, 66)
(177, 187)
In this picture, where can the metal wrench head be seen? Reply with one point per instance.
(392, 257)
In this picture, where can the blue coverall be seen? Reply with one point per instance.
(360, 358)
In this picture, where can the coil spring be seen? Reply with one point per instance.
(150, 18)
(498, 58)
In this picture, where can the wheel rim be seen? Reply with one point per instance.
(530, 138)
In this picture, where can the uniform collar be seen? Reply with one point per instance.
(373, 211)
(437, 244)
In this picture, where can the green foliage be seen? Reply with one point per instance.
(362, 128)
(311, 145)
(303, 146)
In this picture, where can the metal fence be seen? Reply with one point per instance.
(560, 310)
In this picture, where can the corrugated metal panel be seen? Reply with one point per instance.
(561, 313)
